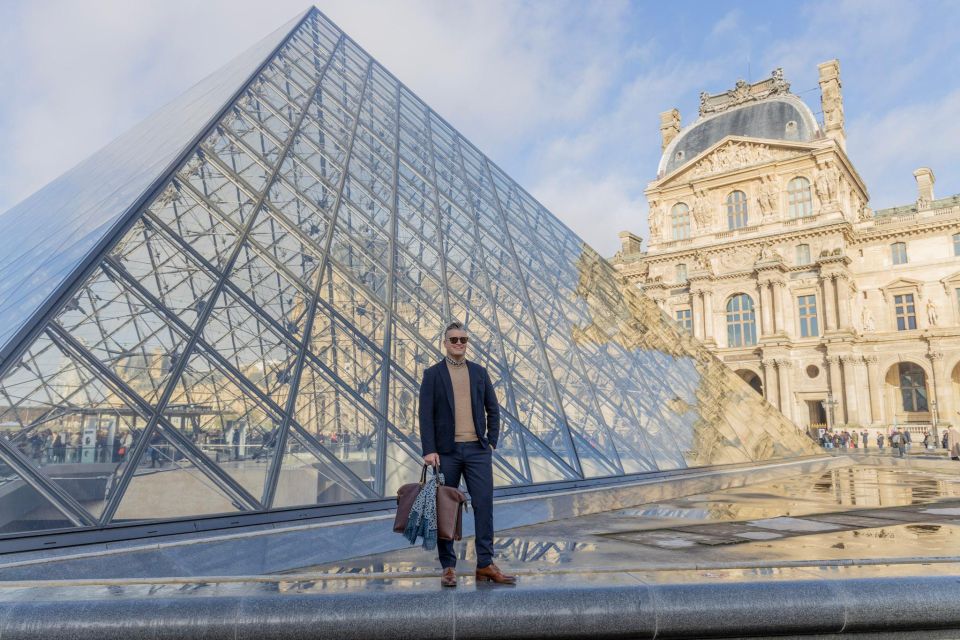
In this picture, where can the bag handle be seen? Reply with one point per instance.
(423, 473)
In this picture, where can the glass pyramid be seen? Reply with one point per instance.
(229, 309)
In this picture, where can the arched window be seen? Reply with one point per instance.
(741, 321)
(736, 210)
(799, 198)
(680, 221)
(913, 387)
(681, 272)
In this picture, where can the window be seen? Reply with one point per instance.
(741, 323)
(681, 272)
(685, 319)
(808, 316)
(898, 252)
(913, 387)
(803, 254)
(680, 221)
(736, 210)
(956, 244)
(905, 311)
(799, 198)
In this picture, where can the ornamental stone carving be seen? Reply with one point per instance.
(744, 92)
(769, 194)
(736, 155)
(701, 209)
(655, 219)
(700, 262)
(866, 320)
(827, 183)
(935, 355)
(932, 316)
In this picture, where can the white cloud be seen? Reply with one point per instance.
(887, 147)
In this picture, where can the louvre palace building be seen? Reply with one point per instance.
(764, 246)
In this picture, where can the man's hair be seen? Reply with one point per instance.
(456, 324)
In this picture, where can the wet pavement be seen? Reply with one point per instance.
(862, 548)
(862, 515)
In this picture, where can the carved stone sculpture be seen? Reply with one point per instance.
(768, 197)
(866, 319)
(932, 316)
(655, 219)
(701, 209)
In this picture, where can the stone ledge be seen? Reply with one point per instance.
(914, 606)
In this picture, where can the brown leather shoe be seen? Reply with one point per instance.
(449, 577)
(492, 573)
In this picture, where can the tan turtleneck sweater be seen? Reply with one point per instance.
(464, 429)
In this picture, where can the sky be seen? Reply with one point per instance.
(563, 95)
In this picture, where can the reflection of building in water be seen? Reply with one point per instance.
(763, 246)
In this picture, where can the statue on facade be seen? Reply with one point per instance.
(932, 313)
(833, 182)
(655, 219)
(866, 319)
(701, 209)
(832, 104)
(768, 197)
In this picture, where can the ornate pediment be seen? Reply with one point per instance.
(735, 154)
(744, 92)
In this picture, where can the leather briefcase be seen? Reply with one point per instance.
(450, 505)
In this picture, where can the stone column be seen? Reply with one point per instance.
(766, 318)
(849, 364)
(696, 308)
(941, 389)
(783, 377)
(842, 286)
(876, 393)
(829, 300)
(771, 393)
(778, 292)
(836, 388)
(707, 315)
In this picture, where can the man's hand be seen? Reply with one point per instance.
(432, 459)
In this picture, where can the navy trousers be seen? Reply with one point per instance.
(474, 463)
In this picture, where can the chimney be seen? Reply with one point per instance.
(925, 182)
(629, 243)
(831, 100)
(669, 126)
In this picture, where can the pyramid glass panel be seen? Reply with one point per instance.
(167, 484)
(23, 509)
(257, 278)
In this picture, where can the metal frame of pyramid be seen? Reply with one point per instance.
(244, 330)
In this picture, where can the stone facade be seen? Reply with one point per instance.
(763, 245)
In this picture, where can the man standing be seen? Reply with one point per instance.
(459, 427)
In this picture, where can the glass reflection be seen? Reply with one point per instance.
(327, 260)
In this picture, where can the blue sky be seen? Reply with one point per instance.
(564, 95)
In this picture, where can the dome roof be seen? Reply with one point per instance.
(783, 117)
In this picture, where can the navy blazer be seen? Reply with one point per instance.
(437, 421)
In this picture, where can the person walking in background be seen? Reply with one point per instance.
(953, 442)
(459, 427)
(897, 440)
(865, 437)
(880, 440)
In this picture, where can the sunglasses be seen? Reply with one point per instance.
(456, 339)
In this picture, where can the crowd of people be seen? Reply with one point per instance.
(897, 438)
